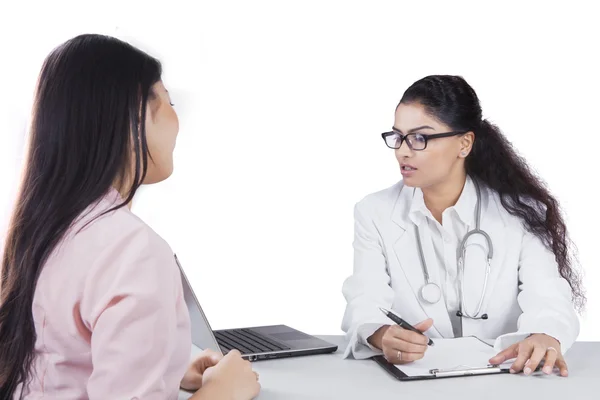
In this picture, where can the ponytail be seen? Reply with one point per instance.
(523, 194)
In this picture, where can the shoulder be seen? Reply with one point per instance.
(382, 200)
(119, 242)
(126, 259)
(122, 228)
(493, 205)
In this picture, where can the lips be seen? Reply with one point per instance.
(407, 167)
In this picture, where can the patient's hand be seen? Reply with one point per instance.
(192, 380)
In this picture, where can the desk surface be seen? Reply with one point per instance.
(332, 377)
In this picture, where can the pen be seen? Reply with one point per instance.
(403, 323)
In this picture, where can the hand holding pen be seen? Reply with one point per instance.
(405, 325)
(402, 343)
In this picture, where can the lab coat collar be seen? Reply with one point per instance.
(418, 211)
(465, 206)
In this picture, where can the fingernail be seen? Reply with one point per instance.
(527, 371)
(547, 370)
(565, 373)
(512, 371)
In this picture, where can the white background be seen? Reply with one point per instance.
(281, 104)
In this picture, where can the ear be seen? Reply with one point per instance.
(466, 144)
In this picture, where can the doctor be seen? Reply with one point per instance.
(469, 242)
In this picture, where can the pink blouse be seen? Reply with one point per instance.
(109, 313)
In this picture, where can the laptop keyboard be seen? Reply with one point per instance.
(246, 341)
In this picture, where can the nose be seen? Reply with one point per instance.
(403, 151)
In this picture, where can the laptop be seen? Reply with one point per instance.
(255, 343)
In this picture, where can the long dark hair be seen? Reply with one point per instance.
(87, 121)
(451, 100)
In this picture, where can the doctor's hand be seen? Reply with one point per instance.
(529, 354)
(401, 346)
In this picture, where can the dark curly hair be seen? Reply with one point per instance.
(451, 100)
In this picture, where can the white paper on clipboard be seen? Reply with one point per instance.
(452, 354)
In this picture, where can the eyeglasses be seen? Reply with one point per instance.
(415, 141)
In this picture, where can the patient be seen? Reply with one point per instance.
(91, 299)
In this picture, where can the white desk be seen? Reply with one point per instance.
(332, 377)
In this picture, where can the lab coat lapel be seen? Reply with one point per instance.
(406, 249)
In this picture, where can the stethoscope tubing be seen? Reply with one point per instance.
(461, 252)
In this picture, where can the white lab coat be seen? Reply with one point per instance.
(525, 293)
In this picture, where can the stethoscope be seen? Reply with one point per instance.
(431, 292)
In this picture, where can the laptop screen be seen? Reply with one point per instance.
(202, 334)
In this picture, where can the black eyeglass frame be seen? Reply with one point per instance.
(385, 135)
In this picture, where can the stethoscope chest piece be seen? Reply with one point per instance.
(431, 293)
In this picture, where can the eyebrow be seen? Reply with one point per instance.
(415, 129)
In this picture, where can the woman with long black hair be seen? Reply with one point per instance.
(469, 242)
(91, 298)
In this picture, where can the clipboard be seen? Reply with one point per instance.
(466, 351)
(439, 373)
